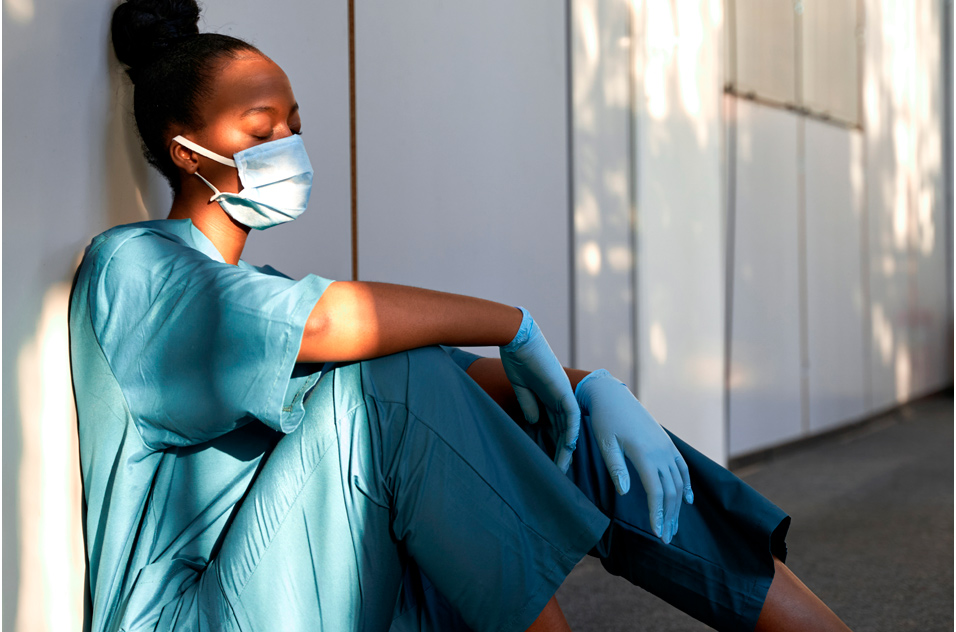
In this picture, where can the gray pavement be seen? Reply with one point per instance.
(872, 530)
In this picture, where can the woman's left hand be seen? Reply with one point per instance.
(622, 426)
(533, 369)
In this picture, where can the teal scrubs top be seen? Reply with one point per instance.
(177, 348)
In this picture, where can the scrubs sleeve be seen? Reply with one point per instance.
(200, 347)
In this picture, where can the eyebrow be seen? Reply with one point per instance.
(267, 108)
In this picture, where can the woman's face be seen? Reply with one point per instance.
(251, 103)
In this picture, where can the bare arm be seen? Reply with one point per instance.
(357, 320)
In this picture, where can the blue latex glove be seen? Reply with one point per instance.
(622, 426)
(533, 370)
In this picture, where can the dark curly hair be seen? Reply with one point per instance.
(171, 65)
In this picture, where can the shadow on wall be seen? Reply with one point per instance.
(905, 190)
(51, 565)
(675, 133)
(602, 108)
(679, 272)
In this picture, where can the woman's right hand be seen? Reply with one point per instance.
(533, 369)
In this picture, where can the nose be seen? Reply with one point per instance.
(284, 130)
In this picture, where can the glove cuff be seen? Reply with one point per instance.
(524, 332)
(584, 388)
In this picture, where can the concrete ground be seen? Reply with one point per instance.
(872, 531)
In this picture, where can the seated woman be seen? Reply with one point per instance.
(260, 453)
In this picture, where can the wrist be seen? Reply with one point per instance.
(593, 382)
(523, 333)
(589, 380)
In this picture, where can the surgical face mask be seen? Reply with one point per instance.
(276, 181)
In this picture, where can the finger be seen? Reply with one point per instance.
(616, 467)
(678, 496)
(571, 421)
(562, 458)
(685, 479)
(655, 504)
(562, 451)
(528, 403)
(671, 502)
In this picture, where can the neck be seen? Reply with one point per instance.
(226, 234)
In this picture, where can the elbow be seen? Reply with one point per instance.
(315, 332)
(341, 328)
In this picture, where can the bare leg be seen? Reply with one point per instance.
(551, 619)
(790, 605)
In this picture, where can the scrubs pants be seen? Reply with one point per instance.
(718, 567)
(409, 500)
(401, 462)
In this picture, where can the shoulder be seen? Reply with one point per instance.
(132, 240)
(264, 269)
(160, 250)
(124, 267)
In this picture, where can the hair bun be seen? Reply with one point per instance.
(143, 30)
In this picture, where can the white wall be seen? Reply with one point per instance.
(765, 394)
(462, 152)
(841, 306)
(647, 134)
(603, 109)
(680, 231)
(836, 339)
(911, 322)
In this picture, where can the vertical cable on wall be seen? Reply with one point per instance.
(353, 164)
(802, 225)
(632, 185)
(865, 215)
(729, 260)
(948, 167)
(731, 157)
(569, 73)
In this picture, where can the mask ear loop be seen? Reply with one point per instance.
(217, 193)
(202, 151)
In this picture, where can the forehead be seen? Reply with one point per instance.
(248, 82)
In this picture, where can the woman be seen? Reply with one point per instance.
(260, 453)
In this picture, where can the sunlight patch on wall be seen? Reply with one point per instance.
(689, 47)
(903, 373)
(658, 343)
(661, 39)
(587, 214)
(706, 370)
(901, 210)
(51, 540)
(20, 11)
(591, 257)
(589, 32)
(925, 223)
(619, 258)
(882, 334)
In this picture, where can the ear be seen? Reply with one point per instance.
(183, 157)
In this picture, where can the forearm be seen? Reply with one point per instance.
(358, 320)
